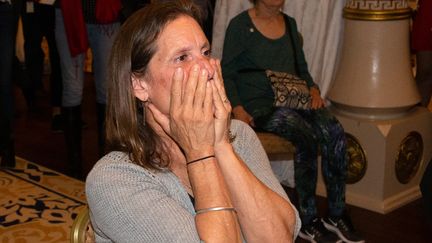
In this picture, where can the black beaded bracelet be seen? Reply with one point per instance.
(197, 160)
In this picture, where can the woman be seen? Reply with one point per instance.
(263, 38)
(173, 175)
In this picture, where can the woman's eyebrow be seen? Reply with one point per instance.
(186, 49)
(182, 50)
(205, 45)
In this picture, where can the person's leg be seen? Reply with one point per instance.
(56, 86)
(71, 68)
(290, 125)
(8, 25)
(101, 38)
(424, 75)
(7, 47)
(331, 137)
(34, 56)
(72, 76)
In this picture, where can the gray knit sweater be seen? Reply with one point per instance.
(131, 204)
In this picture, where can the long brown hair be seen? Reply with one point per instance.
(131, 53)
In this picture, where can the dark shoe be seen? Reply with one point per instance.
(57, 123)
(315, 232)
(343, 227)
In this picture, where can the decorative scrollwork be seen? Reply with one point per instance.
(357, 161)
(377, 10)
(409, 157)
(376, 4)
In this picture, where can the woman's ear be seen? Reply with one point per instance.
(140, 88)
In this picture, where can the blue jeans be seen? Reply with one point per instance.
(101, 38)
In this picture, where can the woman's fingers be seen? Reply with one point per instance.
(220, 85)
(217, 98)
(191, 85)
(317, 102)
(176, 89)
(221, 114)
(200, 91)
(191, 120)
(208, 101)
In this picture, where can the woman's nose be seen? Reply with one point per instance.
(204, 62)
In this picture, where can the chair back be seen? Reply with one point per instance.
(82, 231)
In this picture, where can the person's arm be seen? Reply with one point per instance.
(210, 192)
(264, 215)
(316, 100)
(241, 114)
(191, 124)
(302, 67)
(233, 48)
(301, 64)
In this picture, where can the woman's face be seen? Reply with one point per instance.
(181, 44)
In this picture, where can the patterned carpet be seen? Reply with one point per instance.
(37, 204)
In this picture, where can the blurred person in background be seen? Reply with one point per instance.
(9, 13)
(81, 25)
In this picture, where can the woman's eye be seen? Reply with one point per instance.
(181, 58)
(207, 53)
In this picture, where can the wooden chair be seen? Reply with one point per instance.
(82, 231)
(281, 154)
(277, 148)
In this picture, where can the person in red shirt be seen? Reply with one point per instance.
(421, 44)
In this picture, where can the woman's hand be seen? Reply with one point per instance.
(191, 120)
(221, 104)
(317, 101)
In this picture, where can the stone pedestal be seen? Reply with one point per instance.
(396, 154)
(374, 96)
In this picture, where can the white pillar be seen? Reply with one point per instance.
(374, 77)
(374, 96)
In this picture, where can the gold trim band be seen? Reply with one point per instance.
(377, 15)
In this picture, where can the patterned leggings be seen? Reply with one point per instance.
(310, 130)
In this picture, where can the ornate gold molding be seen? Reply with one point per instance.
(409, 157)
(357, 160)
(376, 4)
(377, 15)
